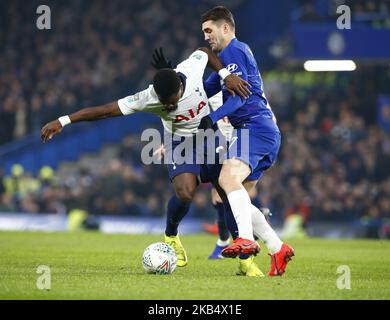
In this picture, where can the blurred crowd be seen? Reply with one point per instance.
(334, 162)
(333, 165)
(125, 186)
(96, 52)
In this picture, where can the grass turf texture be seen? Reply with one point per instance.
(89, 265)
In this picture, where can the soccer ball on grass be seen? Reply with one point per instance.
(159, 258)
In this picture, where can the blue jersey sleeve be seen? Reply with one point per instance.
(235, 61)
(230, 105)
(212, 85)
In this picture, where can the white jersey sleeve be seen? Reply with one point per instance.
(141, 101)
(194, 66)
(191, 107)
(216, 101)
(223, 124)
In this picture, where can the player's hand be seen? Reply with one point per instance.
(159, 61)
(235, 85)
(50, 129)
(205, 123)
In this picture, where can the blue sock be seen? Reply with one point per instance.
(230, 221)
(175, 213)
(223, 232)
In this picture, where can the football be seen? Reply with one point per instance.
(159, 258)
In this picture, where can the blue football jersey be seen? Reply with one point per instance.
(256, 111)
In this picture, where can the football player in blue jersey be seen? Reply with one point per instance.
(178, 98)
(257, 139)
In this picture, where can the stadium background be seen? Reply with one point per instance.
(332, 175)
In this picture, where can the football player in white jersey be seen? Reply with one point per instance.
(178, 98)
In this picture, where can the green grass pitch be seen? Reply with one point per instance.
(89, 265)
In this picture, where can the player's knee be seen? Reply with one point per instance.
(185, 194)
(229, 183)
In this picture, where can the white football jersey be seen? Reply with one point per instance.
(223, 124)
(192, 106)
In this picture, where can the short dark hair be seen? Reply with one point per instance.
(166, 82)
(219, 13)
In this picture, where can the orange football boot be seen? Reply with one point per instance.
(280, 259)
(239, 246)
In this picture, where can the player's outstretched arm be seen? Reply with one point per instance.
(108, 110)
(230, 106)
(234, 84)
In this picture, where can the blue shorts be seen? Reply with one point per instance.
(257, 149)
(175, 170)
(186, 163)
(184, 155)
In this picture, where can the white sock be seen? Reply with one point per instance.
(241, 206)
(263, 230)
(222, 243)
